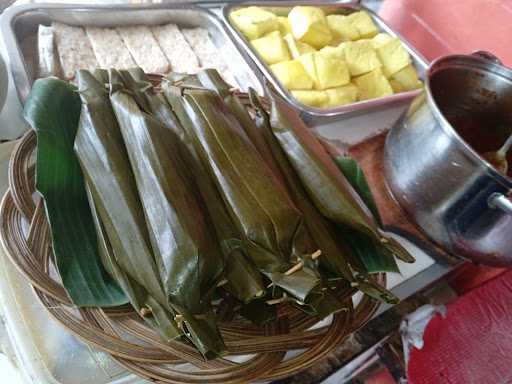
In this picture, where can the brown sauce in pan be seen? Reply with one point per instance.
(484, 132)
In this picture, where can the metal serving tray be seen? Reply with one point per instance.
(19, 27)
(317, 116)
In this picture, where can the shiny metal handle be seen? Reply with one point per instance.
(487, 56)
(500, 201)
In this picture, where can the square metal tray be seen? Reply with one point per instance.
(319, 116)
(19, 27)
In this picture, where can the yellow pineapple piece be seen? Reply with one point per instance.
(342, 28)
(297, 48)
(254, 22)
(336, 52)
(363, 23)
(372, 85)
(360, 57)
(309, 25)
(405, 80)
(284, 25)
(381, 39)
(346, 94)
(393, 56)
(292, 75)
(326, 70)
(316, 99)
(331, 71)
(272, 48)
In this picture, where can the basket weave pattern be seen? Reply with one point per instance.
(123, 335)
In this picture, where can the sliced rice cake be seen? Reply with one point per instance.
(74, 49)
(176, 49)
(144, 49)
(208, 54)
(48, 63)
(110, 49)
(202, 45)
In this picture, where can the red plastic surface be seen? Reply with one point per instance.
(473, 344)
(441, 27)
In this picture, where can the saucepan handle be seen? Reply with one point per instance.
(487, 56)
(500, 201)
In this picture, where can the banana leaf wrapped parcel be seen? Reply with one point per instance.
(123, 208)
(274, 236)
(106, 168)
(338, 258)
(325, 183)
(187, 253)
(242, 278)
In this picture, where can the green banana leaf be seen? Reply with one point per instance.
(329, 189)
(53, 110)
(211, 79)
(373, 258)
(243, 279)
(338, 250)
(187, 253)
(160, 318)
(106, 167)
(355, 176)
(262, 213)
(334, 253)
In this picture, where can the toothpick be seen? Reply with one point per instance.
(222, 282)
(315, 255)
(295, 268)
(278, 300)
(179, 320)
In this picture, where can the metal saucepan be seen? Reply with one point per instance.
(432, 162)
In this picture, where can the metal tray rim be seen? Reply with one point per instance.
(353, 108)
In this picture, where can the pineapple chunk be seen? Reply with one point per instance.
(284, 25)
(341, 28)
(405, 80)
(393, 56)
(326, 70)
(292, 75)
(297, 48)
(346, 94)
(331, 72)
(360, 57)
(309, 25)
(363, 23)
(335, 52)
(254, 22)
(381, 39)
(316, 99)
(272, 48)
(372, 85)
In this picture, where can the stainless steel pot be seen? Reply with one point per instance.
(437, 177)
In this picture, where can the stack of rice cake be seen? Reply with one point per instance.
(159, 49)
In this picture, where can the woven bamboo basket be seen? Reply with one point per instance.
(26, 237)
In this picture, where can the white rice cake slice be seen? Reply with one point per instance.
(144, 49)
(202, 45)
(74, 49)
(110, 49)
(175, 47)
(209, 55)
(48, 63)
